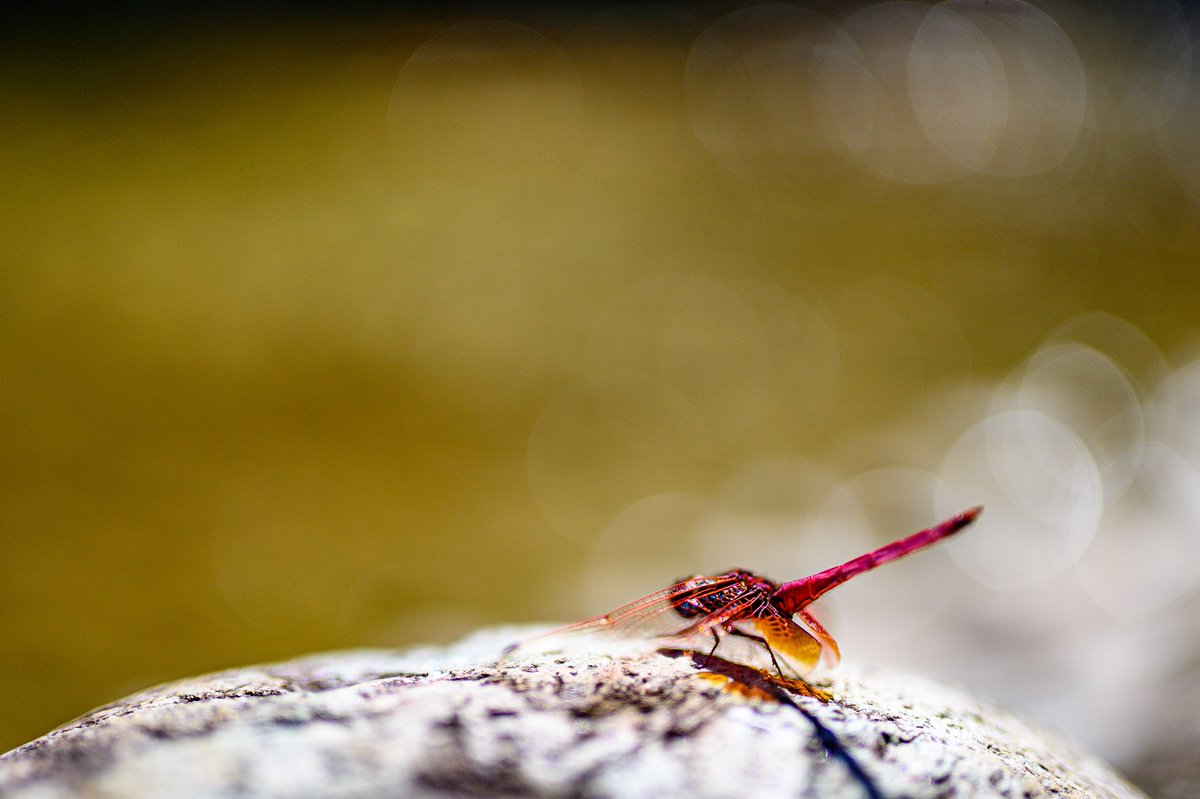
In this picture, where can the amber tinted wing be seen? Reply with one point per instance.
(789, 639)
(829, 647)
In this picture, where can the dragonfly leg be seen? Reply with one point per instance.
(762, 641)
(711, 652)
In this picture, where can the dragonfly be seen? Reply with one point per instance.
(739, 604)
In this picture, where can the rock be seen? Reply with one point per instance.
(451, 722)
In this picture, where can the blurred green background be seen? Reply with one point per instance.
(367, 330)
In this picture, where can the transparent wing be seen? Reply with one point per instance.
(653, 616)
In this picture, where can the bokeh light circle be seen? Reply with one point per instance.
(749, 96)
(997, 86)
(1042, 492)
(863, 95)
(1087, 392)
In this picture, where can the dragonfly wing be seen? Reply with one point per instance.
(829, 647)
(625, 620)
(651, 616)
(746, 607)
(789, 639)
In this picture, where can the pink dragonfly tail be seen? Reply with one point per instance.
(797, 594)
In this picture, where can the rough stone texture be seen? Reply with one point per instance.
(453, 722)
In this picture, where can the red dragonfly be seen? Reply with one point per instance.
(742, 605)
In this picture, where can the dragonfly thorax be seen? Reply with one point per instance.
(701, 595)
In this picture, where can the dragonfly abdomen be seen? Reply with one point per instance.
(797, 594)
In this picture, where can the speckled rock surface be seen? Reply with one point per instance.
(450, 722)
